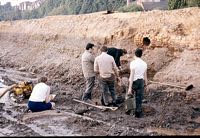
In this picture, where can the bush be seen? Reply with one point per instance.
(130, 8)
(178, 4)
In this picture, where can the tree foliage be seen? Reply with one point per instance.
(61, 7)
(177, 4)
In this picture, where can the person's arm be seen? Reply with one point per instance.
(96, 66)
(131, 78)
(48, 96)
(145, 78)
(117, 58)
(116, 70)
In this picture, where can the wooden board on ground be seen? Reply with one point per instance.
(54, 113)
(97, 106)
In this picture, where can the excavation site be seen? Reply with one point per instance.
(52, 46)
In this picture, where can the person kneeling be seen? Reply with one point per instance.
(40, 97)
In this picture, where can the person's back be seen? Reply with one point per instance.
(40, 97)
(112, 51)
(39, 92)
(139, 67)
(116, 54)
(105, 64)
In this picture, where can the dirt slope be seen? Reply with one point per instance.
(57, 42)
(53, 46)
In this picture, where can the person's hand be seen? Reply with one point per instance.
(119, 81)
(52, 96)
(120, 68)
(129, 92)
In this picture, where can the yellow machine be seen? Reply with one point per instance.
(23, 88)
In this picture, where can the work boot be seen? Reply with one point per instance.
(115, 105)
(139, 114)
(89, 101)
(144, 101)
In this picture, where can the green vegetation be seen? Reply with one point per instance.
(130, 8)
(68, 7)
(61, 7)
(177, 4)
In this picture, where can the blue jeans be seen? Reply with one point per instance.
(39, 106)
(106, 87)
(138, 89)
(89, 87)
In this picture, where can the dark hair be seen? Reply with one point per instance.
(146, 41)
(43, 79)
(88, 46)
(104, 49)
(138, 52)
(124, 51)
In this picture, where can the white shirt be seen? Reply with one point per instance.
(105, 65)
(139, 67)
(40, 92)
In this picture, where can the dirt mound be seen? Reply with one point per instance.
(53, 46)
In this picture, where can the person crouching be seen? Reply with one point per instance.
(40, 97)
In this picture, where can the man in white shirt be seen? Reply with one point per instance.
(137, 80)
(105, 65)
(40, 97)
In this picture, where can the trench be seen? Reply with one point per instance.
(163, 115)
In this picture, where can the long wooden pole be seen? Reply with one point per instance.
(6, 90)
(168, 84)
(100, 107)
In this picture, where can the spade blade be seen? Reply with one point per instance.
(189, 87)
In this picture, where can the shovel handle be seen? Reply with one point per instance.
(167, 84)
(100, 107)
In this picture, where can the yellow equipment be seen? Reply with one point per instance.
(23, 88)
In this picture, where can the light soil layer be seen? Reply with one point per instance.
(53, 45)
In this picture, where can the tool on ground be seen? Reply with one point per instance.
(97, 106)
(186, 88)
(6, 90)
(23, 88)
(130, 104)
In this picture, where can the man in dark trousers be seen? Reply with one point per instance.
(105, 66)
(116, 54)
(138, 80)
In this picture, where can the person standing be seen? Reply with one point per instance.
(87, 63)
(105, 66)
(40, 97)
(116, 54)
(138, 80)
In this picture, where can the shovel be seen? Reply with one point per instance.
(186, 88)
(97, 106)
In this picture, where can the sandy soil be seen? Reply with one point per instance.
(52, 46)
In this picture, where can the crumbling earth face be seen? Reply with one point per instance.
(52, 46)
(167, 111)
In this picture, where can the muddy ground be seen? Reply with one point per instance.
(167, 111)
(52, 46)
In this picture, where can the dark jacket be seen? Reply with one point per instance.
(116, 54)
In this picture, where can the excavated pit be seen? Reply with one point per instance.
(52, 46)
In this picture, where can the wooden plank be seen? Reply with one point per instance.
(97, 106)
